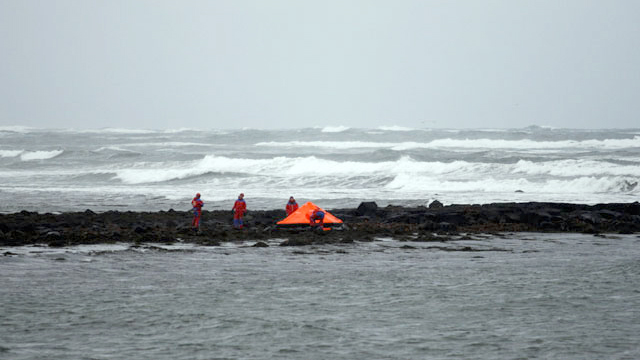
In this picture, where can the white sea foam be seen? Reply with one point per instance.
(403, 175)
(524, 144)
(10, 153)
(581, 185)
(574, 167)
(165, 144)
(334, 129)
(531, 144)
(40, 155)
(564, 165)
(395, 128)
(327, 144)
(16, 129)
(123, 131)
(179, 130)
(115, 148)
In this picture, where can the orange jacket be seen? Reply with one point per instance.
(291, 207)
(240, 206)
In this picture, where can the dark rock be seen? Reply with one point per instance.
(590, 217)
(260, 244)
(139, 230)
(18, 235)
(367, 208)
(512, 217)
(428, 226)
(547, 226)
(363, 224)
(297, 242)
(210, 242)
(435, 205)
(446, 226)
(56, 242)
(52, 236)
(609, 215)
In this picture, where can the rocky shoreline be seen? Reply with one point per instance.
(364, 223)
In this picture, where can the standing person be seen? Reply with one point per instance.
(197, 204)
(292, 206)
(239, 208)
(316, 218)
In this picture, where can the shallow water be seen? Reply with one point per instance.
(518, 296)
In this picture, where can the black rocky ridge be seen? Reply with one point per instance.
(364, 223)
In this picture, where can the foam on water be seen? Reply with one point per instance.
(40, 155)
(160, 168)
(15, 129)
(335, 129)
(524, 144)
(10, 153)
(395, 128)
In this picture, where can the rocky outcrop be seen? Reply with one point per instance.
(361, 224)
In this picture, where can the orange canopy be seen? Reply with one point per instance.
(301, 216)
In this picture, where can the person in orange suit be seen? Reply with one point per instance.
(292, 206)
(197, 205)
(239, 208)
(316, 218)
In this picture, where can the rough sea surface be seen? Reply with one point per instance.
(509, 296)
(520, 296)
(335, 167)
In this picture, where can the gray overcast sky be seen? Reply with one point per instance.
(293, 63)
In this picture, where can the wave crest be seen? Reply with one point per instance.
(39, 155)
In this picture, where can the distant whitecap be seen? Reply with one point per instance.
(39, 155)
(334, 129)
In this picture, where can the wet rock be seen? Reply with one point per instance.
(609, 215)
(260, 244)
(367, 208)
(590, 217)
(57, 242)
(435, 205)
(363, 224)
(445, 226)
(210, 242)
(52, 236)
(297, 242)
(139, 230)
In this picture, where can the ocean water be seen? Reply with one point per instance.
(515, 296)
(519, 296)
(119, 169)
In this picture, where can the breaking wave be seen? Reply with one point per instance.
(334, 129)
(404, 174)
(395, 128)
(16, 129)
(524, 144)
(39, 155)
(107, 167)
(10, 153)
